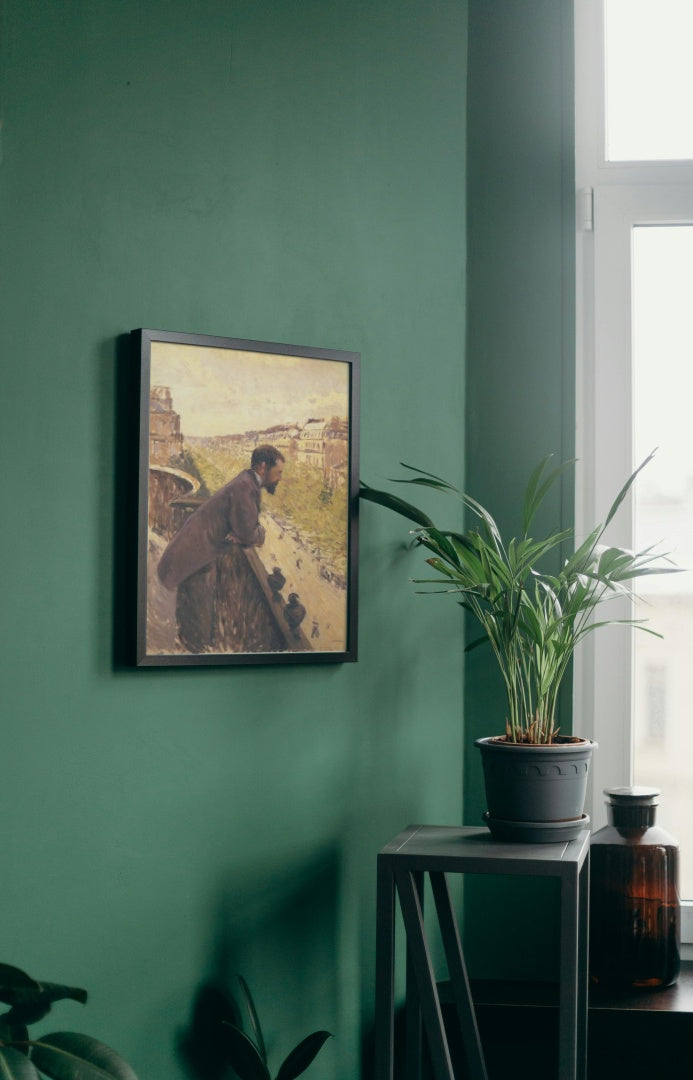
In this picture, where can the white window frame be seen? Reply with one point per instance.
(611, 198)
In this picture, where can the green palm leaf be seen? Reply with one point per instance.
(439, 481)
(537, 490)
(625, 489)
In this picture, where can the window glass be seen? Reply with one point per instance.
(662, 352)
(649, 79)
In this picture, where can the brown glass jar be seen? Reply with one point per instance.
(635, 914)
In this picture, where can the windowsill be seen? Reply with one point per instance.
(673, 999)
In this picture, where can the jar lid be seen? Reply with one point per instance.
(632, 796)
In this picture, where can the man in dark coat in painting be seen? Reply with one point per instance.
(227, 518)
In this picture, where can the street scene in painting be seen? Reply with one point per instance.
(248, 502)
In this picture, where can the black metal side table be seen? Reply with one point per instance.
(437, 851)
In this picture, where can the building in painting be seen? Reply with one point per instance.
(324, 444)
(165, 439)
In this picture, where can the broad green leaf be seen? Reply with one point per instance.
(392, 502)
(12, 978)
(301, 1056)
(14, 1033)
(31, 1000)
(14, 1065)
(243, 1055)
(66, 1055)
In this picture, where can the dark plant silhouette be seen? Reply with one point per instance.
(216, 1040)
(63, 1055)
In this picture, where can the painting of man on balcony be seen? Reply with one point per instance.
(247, 541)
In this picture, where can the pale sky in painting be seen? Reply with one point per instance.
(227, 392)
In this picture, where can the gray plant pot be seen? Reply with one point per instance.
(535, 794)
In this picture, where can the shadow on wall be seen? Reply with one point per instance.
(279, 930)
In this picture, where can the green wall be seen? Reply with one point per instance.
(278, 171)
(520, 365)
(290, 172)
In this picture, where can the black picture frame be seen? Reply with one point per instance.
(219, 582)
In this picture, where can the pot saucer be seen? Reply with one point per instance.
(535, 832)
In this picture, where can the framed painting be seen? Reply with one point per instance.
(248, 501)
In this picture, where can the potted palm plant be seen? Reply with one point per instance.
(533, 618)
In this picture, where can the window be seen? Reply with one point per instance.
(650, 710)
(634, 165)
(648, 80)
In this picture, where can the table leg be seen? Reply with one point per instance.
(413, 1043)
(385, 972)
(583, 968)
(425, 978)
(458, 977)
(568, 985)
